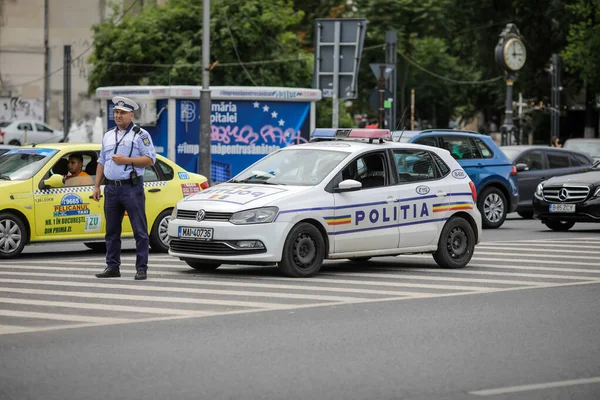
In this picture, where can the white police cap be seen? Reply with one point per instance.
(125, 104)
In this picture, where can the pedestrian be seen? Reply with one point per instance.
(126, 151)
(556, 142)
(77, 176)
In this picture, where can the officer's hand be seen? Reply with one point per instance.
(96, 194)
(119, 159)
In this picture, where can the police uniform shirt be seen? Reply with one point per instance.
(123, 141)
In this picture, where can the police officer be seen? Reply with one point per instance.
(126, 151)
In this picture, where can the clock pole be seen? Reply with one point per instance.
(510, 55)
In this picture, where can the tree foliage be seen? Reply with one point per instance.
(445, 49)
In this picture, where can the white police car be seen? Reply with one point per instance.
(348, 194)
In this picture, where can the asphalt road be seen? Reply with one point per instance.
(520, 322)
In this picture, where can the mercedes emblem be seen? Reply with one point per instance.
(563, 194)
(200, 215)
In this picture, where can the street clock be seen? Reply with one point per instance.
(510, 51)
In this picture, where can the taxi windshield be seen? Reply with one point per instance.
(22, 164)
(300, 167)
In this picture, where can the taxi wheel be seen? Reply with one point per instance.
(203, 266)
(303, 251)
(159, 238)
(13, 235)
(559, 226)
(456, 244)
(493, 207)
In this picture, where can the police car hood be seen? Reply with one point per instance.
(233, 197)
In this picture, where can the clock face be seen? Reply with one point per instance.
(514, 54)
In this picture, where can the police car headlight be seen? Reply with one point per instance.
(255, 216)
(174, 213)
(539, 191)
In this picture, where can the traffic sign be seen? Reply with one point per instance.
(374, 98)
(376, 68)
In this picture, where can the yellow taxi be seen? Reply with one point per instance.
(38, 205)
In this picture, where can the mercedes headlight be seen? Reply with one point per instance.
(255, 216)
(597, 192)
(539, 191)
(174, 213)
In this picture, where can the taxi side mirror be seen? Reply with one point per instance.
(522, 167)
(348, 185)
(54, 181)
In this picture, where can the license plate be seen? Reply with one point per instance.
(565, 208)
(195, 233)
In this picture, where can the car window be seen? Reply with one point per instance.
(166, 170)
(556, 160)
(4, 124)
(368, 169)
(578, 160)
(292, 166)
(442, 166)
(427, 141)
(533, 159)
(25, 126)
(43, 128)
(483, 149)
(414, 165)
(459, 147)
(22, 164)
(150, 175)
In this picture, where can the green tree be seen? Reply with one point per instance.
(252, 40)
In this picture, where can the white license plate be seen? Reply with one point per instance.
(195, 233)
(565, 208)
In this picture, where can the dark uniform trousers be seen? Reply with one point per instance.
(117, 200)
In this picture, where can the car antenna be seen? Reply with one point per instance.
(400, 122)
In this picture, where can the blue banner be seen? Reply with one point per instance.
(159, 133)
(242, 132)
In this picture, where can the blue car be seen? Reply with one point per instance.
(493, 173)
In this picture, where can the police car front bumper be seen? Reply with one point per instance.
(230, 244)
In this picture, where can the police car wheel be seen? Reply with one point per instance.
(359, 259)
(13, 235)
(559, 226)
(493, 207)
(303, 251)
(456, 244)
(159, 238)
(203, 266)
(99, 247)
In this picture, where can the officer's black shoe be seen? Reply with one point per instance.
(109, 273)
(140, 275)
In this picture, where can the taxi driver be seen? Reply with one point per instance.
(77, 176)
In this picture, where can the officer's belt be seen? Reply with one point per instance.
(120, 182)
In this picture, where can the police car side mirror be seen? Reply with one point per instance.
(522, 167)
(54, 181)
(348, 185)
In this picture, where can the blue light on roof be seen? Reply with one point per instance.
(323, 133)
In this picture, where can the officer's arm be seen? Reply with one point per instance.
(141, 161)
(99, 175)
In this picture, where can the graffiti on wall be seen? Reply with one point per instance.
(12, 108)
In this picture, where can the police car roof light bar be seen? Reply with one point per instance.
(371, 134)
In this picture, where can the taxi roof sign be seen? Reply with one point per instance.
(352, 133)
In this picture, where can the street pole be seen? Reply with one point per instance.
(66, 91)
(335, 113)
(391, 57)
(520, 118)
(382, 67)
(412, 109)
(508, 126)
(204, 161)
(46, 61)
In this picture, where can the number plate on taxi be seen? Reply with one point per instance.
(565, 208)
(195, 233)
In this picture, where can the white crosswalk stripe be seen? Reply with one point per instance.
(60, 291)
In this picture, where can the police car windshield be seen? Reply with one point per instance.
(22, 164)
(300, 167)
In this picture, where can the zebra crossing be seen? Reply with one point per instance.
(60, 293)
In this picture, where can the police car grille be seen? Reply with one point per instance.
(574, 194)
(209, 248)
(210, 216)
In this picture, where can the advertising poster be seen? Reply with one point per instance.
(242, 132)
